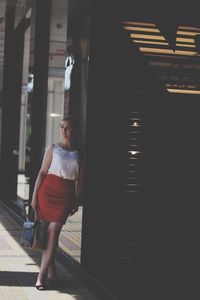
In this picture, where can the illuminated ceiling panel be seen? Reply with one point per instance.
(178, 68)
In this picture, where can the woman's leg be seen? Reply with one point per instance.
(52, 269)
(48, 254)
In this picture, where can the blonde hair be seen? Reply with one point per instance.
(70, 119)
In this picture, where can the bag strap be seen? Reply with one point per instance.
(33, 213)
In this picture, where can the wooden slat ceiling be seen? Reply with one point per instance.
(178, 68)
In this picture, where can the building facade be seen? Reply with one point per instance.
(128, 77)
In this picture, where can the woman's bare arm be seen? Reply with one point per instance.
(42, 173)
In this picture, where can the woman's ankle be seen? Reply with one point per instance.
(52, 273)
(41, 277)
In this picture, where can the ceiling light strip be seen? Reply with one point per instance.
(150, 42)
(139, 23)
(181, 91)
(132, 28)
(147, 36)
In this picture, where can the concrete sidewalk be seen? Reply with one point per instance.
(19, 269)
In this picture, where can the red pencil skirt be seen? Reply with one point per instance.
(55, 197)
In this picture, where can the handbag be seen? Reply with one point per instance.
(34, 234)
(27, 235)
(40, 236)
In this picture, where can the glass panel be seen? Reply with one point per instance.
(25, 129)
(67, 94)
(76, 83)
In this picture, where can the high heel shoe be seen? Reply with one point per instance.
(40, 284)
(40, 287)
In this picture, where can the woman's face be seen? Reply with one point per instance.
(66, 130)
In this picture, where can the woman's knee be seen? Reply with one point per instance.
(54, 228)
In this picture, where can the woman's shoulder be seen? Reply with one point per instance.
(49, 148)
(48, 152)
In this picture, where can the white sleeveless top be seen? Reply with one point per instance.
(65, 163)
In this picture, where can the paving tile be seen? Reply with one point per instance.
(19, 267)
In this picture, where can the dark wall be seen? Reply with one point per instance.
(40, 89)
(114, 220)
(12, 73)
(139, 244)
(173, 215)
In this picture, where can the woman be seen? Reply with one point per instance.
(56, 193)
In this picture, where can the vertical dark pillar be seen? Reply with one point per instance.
(6, 144)
(13, 60)
(120, 86)
(105, 140)
(39, 101)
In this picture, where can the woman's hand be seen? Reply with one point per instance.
(34, 203)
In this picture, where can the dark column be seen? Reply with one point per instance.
(13, 61)
(106, 139)
(39, 100)
(120, 88)
(6, 144)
